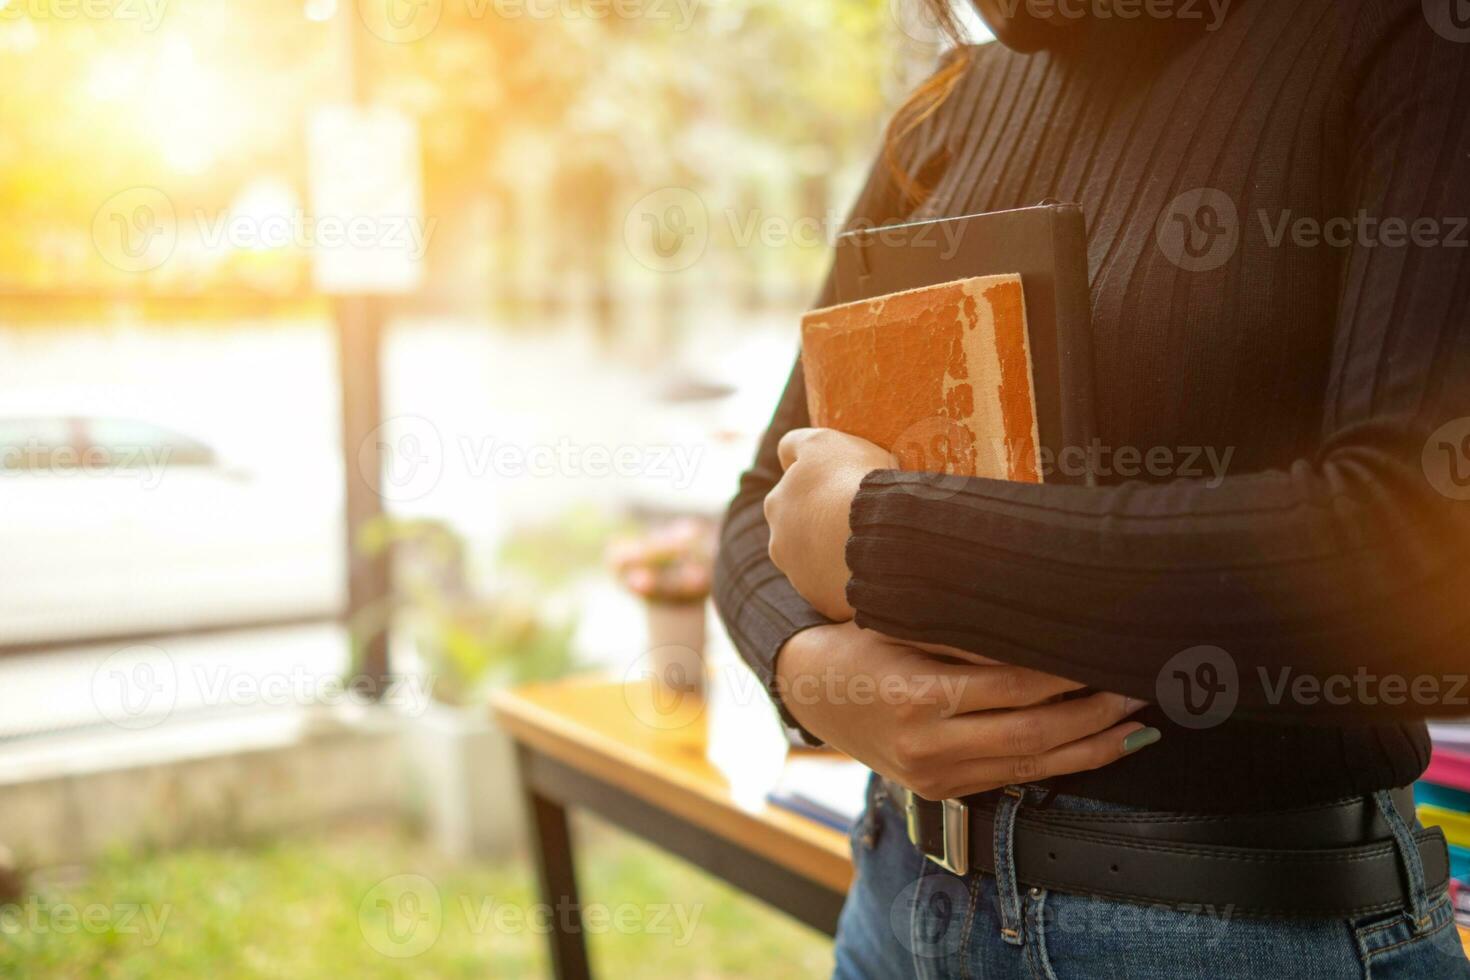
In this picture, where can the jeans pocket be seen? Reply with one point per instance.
(1394, 947)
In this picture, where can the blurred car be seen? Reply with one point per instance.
(113, 527)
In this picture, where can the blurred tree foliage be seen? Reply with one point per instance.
(729, 97)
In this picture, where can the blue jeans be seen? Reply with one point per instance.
(907, 917)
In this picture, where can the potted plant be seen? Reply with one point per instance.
(670, 568)
(464, 643)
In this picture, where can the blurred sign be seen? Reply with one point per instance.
(370, 233)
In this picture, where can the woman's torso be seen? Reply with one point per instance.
(1211, 354)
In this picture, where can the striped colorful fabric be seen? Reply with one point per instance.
(1460, 866)
(1455, 824)
(1433, 794)
(1449, 768)
(1443, 797)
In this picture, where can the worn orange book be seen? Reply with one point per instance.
(941, 376)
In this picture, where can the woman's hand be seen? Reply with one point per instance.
(947, 729)
(808, 512)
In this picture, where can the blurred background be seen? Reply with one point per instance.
(358, 358)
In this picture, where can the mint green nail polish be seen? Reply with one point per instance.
(1140, 739)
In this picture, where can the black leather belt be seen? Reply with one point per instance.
(1332, 860)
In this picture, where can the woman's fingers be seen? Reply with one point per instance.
(984, 688)
(1035, 730)
(1001, 747)
(1093, 752)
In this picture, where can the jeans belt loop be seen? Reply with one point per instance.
(1409, 858)
(1007, 891)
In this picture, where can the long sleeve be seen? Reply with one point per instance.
(1350, 560)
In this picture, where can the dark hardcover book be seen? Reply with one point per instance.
(963, 345)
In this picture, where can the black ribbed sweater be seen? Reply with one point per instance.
(1329, 547)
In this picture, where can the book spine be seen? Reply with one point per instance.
(1074, 346)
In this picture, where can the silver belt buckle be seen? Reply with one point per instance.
(955, 837)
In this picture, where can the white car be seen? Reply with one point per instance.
(111, 527)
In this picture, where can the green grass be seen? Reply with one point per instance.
(319, 907)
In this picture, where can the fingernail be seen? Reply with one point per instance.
(1131, 705)
(1140, 739)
